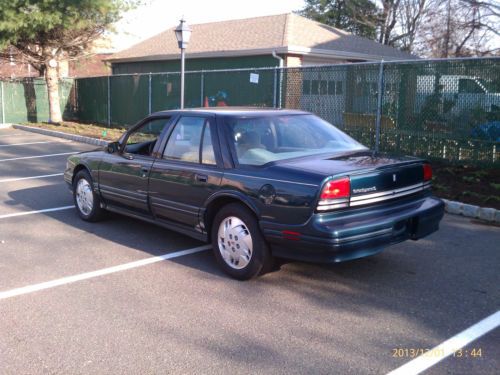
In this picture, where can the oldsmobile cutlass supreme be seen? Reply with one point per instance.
(258, 184)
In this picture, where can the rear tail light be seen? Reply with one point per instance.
(427, 172)
(334, 189)
(335, 194)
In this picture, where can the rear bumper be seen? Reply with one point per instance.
(352, 234)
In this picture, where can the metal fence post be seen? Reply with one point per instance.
(202, 88)
(109, 101)
(280, 96)
(3, 102)
(379, 104)
(149, 95)
(275, 86)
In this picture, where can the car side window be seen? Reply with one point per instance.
(207, 147)
(143, 139)
(190, 135)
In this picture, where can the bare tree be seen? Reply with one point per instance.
(399, 21)
(457, 28)
(410, 16)
(433, 28)
(388, 20)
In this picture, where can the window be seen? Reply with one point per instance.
(189, 136)
(142, 140)
(314, 87)
(323, 87)
(338, 90)
(331, 88)
(207, 148)
(263, 139)
(306, 87)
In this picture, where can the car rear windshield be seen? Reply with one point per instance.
(260, 140)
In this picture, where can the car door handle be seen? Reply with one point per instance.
(201, 177)
(144, 171)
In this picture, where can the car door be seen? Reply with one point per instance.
(123, 176)
(188, 172)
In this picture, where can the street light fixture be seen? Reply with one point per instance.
(183, 34)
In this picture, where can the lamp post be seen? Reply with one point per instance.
(182, 33)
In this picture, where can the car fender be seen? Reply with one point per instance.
(83, 163)
(235, 195)
(231, 194)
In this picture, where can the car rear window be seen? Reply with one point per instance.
(260, 140)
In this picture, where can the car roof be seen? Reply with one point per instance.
(234, 111)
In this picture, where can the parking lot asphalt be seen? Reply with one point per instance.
(183, 315)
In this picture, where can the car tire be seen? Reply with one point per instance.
(87, 202)
(238, 244)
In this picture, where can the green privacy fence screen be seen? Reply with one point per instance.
(448, 109)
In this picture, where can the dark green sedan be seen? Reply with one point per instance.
(258, 184)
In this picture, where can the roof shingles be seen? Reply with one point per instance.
(260, 33)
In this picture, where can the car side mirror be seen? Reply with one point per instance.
(113, 147)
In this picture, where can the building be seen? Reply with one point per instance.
(84, 66)
(250, 43)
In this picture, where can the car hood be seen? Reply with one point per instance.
(92, 153)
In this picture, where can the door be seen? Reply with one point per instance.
(187, 173)
(123, 176)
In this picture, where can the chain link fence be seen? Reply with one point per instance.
(447, 109)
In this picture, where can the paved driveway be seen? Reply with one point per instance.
(65, 309)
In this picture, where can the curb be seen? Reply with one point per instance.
(468, 210)
(54, 133)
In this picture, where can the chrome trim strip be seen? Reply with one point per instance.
(332, 206)
(383, 193)
(325, 202)
(364, 235)
(420, 184)
(122, 191)
(387, 197)
(159, 205)
(109, 192)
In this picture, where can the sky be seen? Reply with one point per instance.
(158, 15)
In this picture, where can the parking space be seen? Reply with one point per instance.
(183, 315)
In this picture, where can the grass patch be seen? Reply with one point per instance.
(470, 184)
(88, 130)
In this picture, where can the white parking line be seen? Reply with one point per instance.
(33, 143)
(6, 216)
(12, 135)
(39, 156)
(101, 272)
(30, 178)
(449, 347)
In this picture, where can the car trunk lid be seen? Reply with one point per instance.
(373, 178)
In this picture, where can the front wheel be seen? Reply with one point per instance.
(86, 201)
(238, 245)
